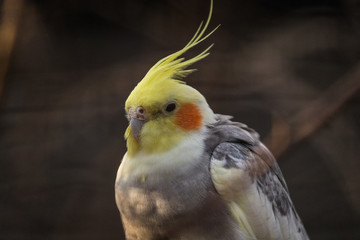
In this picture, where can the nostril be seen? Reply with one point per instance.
(140, 113)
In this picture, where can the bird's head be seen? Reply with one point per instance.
(162, 110)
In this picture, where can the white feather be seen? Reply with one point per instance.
(250, 206)
(184, 155)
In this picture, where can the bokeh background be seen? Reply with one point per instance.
(290, 69)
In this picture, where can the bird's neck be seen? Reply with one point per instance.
(186, 152)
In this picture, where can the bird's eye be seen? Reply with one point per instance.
(170, 107)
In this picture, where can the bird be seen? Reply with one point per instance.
(191, 174)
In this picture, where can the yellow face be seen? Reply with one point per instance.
(161, 117)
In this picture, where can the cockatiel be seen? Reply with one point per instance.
(190, 174)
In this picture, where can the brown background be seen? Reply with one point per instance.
(289, 69)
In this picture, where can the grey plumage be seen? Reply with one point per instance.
(187, 204)
(240, 148)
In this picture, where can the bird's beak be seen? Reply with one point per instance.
(137, 118)
(136, 126)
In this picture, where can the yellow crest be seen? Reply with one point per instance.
(172, 67)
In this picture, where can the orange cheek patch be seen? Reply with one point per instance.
(188, 117)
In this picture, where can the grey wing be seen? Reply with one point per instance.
(248, 178)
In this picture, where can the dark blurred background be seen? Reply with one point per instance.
(290, 69)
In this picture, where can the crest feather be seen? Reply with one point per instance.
(173, 67)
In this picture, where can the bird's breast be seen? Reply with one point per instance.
(161, 197)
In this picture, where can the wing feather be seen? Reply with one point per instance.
(246, 175)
